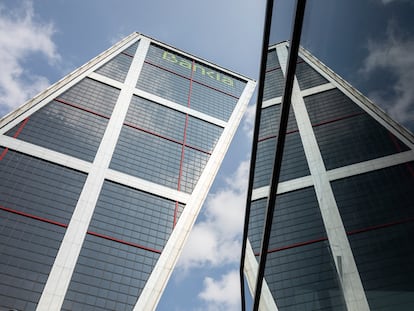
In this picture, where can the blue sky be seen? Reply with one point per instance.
(370, 43)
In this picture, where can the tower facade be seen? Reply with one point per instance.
(343, 219)
(104, 173)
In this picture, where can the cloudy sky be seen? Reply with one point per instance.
(370, 43)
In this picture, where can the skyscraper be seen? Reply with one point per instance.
(341, 231)
(104, 173)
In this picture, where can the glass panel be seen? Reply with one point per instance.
(27, 254)
(379, 219)
(39, 188)
(108, 276)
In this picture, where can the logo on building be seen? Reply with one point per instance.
(197, 68)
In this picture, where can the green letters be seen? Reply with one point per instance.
(170, 57)
(197, 68)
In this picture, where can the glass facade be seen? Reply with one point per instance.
(36, 203)
(96, 177)
(359, 176)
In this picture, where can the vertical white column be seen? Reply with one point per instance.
(353, 291)
(61, 273)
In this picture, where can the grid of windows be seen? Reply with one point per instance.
(165, 84)
(117, 68)
(92, 95)
(307, 76)
(27, 254)
(379, 219)
(189, 83)
(155, 118)
(192, 167)
(274, 79)
(299, 268)
(269, 122)
(211, 102)
(38, 187)
(147, 156)
(64, 129)
(133, 216)
(202, 135)
(108, 276)
(304, 278)
(150, 128)
(202, 73)
(347, 135)
(294, 164)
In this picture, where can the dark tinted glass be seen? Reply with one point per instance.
(64, 129)
(345, 134)
(27, 254)
(307, 76)
(92, 95)
(108, 276)
(39, 188)
(304, 278)
(377, 211)
(133, 216)
(294, 162)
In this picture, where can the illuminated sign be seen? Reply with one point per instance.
(197, 68)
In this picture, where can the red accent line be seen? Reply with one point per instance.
(357, 231)
(152, 133)
(81, 108)
(294, 245)
(4, 152)
(273, 69)
(381, 226)
(33, 217)
(107, 237)
(398, 147)
(127, 54)
(191, 79)
(184, 140)
(49, 221)
(165, 137)
(338, 119)
(274, 136)
(19, 130)
(280, 67)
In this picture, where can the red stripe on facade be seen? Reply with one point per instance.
(127, 54)
(56, 223)
(180, 173)
(165, 137)
(49, 221)
(338, 119)
(381, 226)
(81, 108)
(273, 69)
(191, 78)
(107, 237)
(4, 152)
(357, 231)
(275, 136)
(19, 130)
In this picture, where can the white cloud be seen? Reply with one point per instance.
(223, 294)
(20, 37)
(217, 239)
(394, 54)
